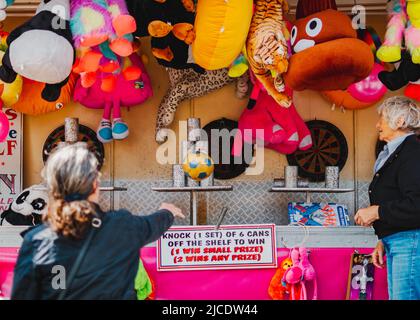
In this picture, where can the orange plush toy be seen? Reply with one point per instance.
(326, 53)
(32, 103)
(279, 290)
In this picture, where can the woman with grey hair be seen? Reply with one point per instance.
(105, 246)
(395, 198)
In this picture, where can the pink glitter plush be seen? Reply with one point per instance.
(90, 22)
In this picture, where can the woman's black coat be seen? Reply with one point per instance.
(395, 188)
(108, 269)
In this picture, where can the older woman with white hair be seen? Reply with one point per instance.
(395, 198)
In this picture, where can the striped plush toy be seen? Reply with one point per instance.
(102, 34)
(404, 23)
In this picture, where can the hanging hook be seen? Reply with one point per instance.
(304, 240)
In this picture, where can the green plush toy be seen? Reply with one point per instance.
(142, 283)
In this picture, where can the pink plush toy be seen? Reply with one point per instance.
(309, 274)
(284, 130)
(294, 274)
(127, 93)
(301, 272)
(257, 124)
(256, 117)
(299, 136)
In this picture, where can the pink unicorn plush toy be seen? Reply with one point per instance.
(308, 274)
(294, 274)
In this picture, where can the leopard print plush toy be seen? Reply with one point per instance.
(186, 84)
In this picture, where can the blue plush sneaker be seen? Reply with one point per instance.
(104, 132)
(119, 129)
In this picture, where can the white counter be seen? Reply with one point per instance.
(317, 237)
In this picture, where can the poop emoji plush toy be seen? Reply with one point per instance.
(326, 53)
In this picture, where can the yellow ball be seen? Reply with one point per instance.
(198, 165)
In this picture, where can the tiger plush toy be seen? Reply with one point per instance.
(267, 47)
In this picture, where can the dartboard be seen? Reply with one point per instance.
(86, 134)
(329, 149)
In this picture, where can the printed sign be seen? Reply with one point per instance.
(208, 248)
(361, 277)
(11, 160)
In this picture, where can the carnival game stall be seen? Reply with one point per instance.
(257, 118)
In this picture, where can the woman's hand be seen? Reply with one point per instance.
(365, 217)
(378, 255)
(177, 212)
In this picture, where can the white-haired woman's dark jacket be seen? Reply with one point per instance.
(395, 188)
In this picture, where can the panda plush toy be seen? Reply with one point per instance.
(41, 49)
(27, 209)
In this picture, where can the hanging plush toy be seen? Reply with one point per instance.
(27, 209)
(301, 273)
(326, 53)
(404, 23)
(10, 92)
(279, 290)
(407, 74)
(31, 102)
(143, 284)
(98, 21)
(221, 29)
(186, 84)
(127, 93)
(239, 69)
(264, 120)
(280, 129)
(366, 92)
(267, 47)
(170, 24)
(102, 35)
(41, 49)
(242, 86)
(4, 124)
